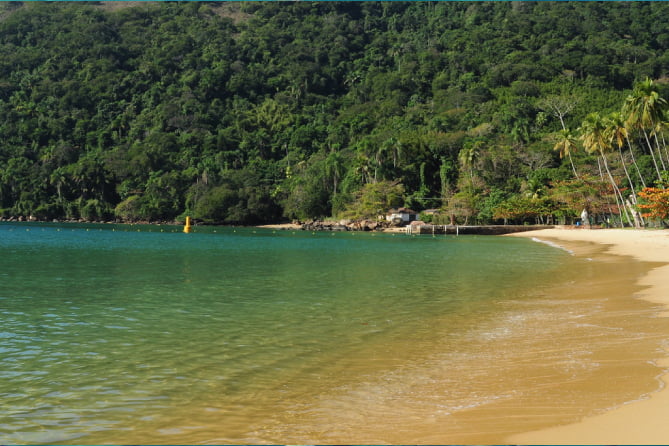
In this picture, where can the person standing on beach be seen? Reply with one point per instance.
(585, 221)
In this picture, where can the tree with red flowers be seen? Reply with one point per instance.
(656, 202)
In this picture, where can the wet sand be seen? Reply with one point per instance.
(637, 422)
(617, 404)
(574, 354)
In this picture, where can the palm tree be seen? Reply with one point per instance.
(334, 165)
(58, 178)
(368, 157)
(618, 134)
(566, 144)
(362, 167)
(394, 146)
(644, 109)
(621, 131)
(595, 140)
(659, 129)
(380, 160)
(468, 157)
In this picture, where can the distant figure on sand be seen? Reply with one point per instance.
(584, 218)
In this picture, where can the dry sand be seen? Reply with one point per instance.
(638, 422)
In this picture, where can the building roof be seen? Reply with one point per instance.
(402, 211)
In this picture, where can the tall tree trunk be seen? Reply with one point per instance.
(638, 220)
(629, 179)
(664, 146)
(659, 151)
(572, 165)
(652, 154)
(620, 201)
(638, 171)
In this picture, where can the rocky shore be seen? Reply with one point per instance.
(311, 225)
(327, 225)
(416, 228)
(385, 226)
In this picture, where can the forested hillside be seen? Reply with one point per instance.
(256, 112)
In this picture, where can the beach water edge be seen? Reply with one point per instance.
(637, 422)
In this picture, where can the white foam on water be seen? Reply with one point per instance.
(554, 245)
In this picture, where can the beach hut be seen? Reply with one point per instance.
(401, 216)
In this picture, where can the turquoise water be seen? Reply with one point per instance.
(241, 335)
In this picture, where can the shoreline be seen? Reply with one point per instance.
(642, 421)
(300, 227)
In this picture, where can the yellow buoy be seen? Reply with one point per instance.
(187, 226)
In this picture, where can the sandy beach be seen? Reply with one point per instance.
(637, 422)
(641, 421)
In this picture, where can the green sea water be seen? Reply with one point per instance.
(128, 334)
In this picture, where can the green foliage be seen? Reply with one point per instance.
(216, 204)
(306, 188)
(129, 209)
(490, 205)
(254, 112)
(375, 199)
(520, 209)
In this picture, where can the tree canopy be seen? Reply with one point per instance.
(257, 112)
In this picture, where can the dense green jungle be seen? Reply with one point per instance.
(259, 112)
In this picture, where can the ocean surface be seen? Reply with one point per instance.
(143, 334)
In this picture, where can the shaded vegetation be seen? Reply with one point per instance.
(257, 112)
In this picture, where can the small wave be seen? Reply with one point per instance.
(554, 245)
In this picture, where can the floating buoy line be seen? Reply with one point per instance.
(187, 228)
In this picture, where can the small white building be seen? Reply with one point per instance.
(402, 216)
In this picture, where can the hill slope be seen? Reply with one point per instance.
(254, 112)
